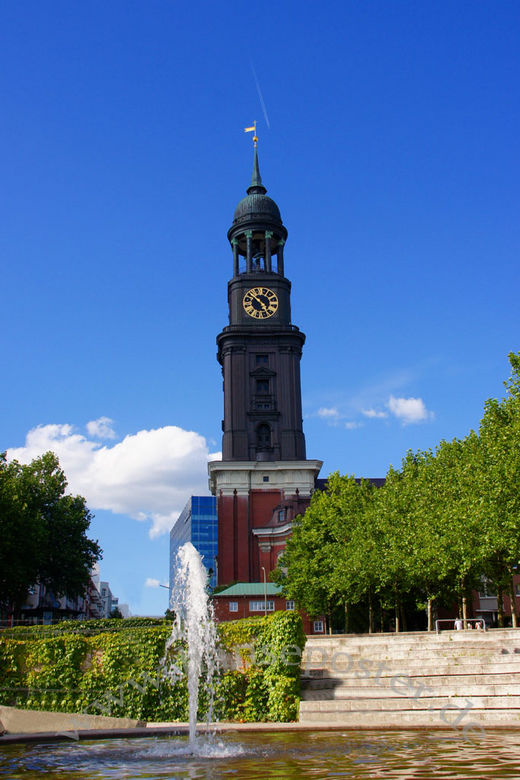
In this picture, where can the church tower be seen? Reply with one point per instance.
(264, 478)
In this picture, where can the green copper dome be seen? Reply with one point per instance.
(256, 205)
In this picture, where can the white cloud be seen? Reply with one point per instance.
(328, 413)
(351, 425)
(152, 583)
(148, 475)
(409, 410)
(374, 413)
(101, 428)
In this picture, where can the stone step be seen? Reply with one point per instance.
(342, 667)
(400, 703)
(412, 689)
(469, 721)
(419, 651)
(431, 681)
(415, 640)
(323, 654)
(415, 637)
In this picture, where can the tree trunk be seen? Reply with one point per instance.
(500, 606)
(464, 610)
(347, 619)
(404, 622)
(370, 613)
(330, 623)
(514, 617)
(429, 613)
(396, 613)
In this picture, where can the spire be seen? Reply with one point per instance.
(256, 185)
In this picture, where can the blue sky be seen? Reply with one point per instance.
(389, 139)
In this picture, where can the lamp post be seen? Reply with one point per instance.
(169, 588)
(265, 591)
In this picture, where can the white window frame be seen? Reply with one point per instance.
(318, 627)
(233, 606)
(259, 606)
(289, 604)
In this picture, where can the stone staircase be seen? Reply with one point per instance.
(456, 679)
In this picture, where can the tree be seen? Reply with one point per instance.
(21, 534)
(329, 560)
(357, 557)
(453, 518)
(500, 479)
(116, 613)
(305, 568)
(42, 531)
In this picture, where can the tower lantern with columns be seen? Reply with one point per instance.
(264, 478)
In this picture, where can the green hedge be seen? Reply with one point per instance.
(114, 667)
(82, 627)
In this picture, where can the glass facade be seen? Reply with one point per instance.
(197, 523)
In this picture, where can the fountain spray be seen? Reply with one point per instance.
(194, 626)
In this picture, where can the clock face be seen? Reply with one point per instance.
(260, 303)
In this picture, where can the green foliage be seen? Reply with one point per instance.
(284, 697)
(230, 695)
(255, 706)
(83, 627)
(332, 554)
(271, 650)
(500, 478)
(114, 667)
(43, 531)
(238, 633)
(441, 522)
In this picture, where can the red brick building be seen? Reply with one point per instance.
(254, 599)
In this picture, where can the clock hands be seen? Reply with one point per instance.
(262, 304)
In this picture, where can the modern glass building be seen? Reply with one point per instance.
(197, 523)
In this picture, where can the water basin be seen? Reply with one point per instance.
(244, 756)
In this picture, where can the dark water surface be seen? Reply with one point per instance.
(271, 755)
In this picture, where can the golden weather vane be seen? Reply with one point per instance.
(252, 130)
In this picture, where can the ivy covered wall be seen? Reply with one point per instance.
(115, 667)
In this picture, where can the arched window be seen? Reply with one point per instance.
(263, 436)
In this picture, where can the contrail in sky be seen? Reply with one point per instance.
(260, 96)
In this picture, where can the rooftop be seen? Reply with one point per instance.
(251, 589)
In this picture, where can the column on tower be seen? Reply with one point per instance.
(281, 244)
(249, 255)
(234, 244)
(268, 236)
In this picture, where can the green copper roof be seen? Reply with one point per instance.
(257, 206)
(256, 185)
(251, 589)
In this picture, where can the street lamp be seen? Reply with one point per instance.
(265, 591)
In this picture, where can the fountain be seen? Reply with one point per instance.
(255, 755)
(194, 627)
